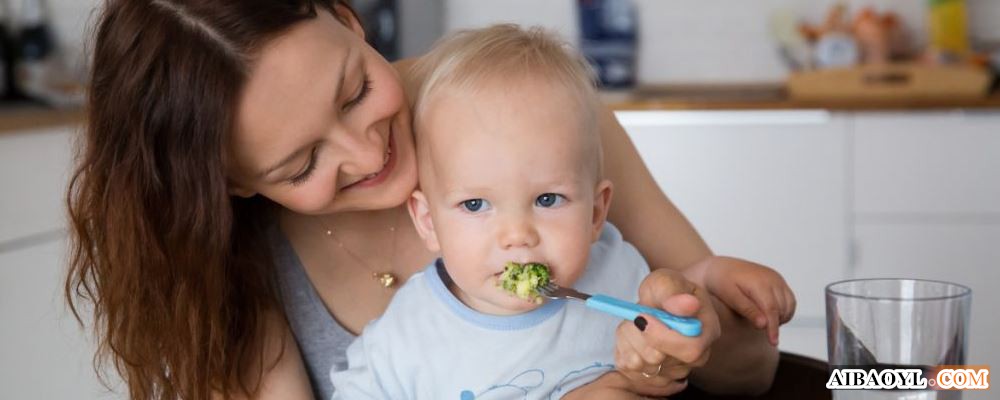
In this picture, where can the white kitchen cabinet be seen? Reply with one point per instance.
(34, 169)
(44, 352)
(921, 165)
(927, 205)
(965, 253)
(768, 186)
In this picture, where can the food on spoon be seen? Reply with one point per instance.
(523, 280)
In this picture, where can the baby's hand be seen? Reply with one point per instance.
(756, 292)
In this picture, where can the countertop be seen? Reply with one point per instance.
(26, 117)
(769, 97)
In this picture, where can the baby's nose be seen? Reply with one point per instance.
(519, 232)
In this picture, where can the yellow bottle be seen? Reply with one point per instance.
(948, 27)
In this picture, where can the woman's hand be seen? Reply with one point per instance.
(656, 359)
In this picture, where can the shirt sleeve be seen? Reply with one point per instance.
(361, 378)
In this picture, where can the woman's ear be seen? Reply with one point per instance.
(420, 213)
(236, 189)
(602, 204)
(346, 15)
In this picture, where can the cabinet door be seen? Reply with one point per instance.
(921, 165)
(34, 169)
(765, 186)
(45, 353)
(964, 253)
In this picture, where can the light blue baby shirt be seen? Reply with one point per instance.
(429, 345)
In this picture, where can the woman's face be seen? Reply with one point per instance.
(322, 124)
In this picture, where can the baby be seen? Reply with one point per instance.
(510, 172)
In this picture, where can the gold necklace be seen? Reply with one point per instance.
(387, 279)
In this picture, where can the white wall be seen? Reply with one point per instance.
(683, 41)
(705, 41)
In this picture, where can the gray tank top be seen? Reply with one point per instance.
(321, 339)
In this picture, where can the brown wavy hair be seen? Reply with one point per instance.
(177, 273)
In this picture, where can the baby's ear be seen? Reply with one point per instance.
(602, 203)
(420, 213)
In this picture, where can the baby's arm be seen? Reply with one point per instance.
(756, 292)
(611, 386)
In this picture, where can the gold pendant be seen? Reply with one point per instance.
(385, 279)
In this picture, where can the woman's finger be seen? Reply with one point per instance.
(661, 284)
(626, 357)
(633, 336)
(630, 344)
(682, 304)
(676, 372)
(687, 350)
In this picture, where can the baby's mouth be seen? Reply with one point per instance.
(524, 280)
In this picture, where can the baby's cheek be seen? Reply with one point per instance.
(574, 249)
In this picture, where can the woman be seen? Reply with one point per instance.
(237, 210)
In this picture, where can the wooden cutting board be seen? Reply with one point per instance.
(890, 82)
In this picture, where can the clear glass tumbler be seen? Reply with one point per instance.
(896, 323)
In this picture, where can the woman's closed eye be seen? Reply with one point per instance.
(366, 88)
(550, 200)
(303, 176)
(475, 205)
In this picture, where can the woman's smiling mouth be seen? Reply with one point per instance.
(375, 178)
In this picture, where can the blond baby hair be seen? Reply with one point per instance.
(467, 59)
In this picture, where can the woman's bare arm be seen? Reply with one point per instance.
(284, 376)
(645, 216)
(649, 221)
(742, 360)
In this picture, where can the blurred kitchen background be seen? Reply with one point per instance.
(829, 140)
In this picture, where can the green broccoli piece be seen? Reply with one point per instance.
(524, 280)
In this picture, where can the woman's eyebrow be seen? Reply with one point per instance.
(336, 92)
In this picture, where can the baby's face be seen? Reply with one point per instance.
(508, 175)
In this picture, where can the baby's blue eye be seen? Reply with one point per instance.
(548, 200)
(476, 205)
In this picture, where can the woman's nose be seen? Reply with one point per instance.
(518, 232)
(361, 150)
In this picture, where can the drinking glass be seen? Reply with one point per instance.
(896, 323)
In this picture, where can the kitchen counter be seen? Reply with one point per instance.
(767, 97)
(25, 117)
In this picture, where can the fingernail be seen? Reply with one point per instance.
(682, 381)
(640, 323)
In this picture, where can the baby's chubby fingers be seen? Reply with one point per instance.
(739, 300)
(790, 305)
(766, 301)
